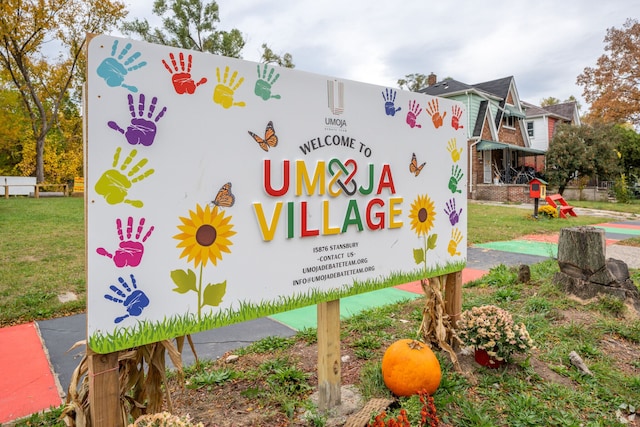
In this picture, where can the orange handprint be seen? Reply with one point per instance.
(433, 110)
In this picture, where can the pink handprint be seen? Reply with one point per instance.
(455, 119)
(412, 115)
(141, 130)
(181, 77)
(433, 110)
(129, 252)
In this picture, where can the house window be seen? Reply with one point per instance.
(530, 129)
(509, 121)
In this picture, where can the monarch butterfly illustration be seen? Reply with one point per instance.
(270, 138)
(224, 198)
(413, 166)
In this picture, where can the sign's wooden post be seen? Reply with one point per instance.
(104, 389)
(453, 296)
(329, 369)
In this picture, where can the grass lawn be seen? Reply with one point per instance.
(42, 247)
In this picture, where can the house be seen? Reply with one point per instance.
(501, 156)
(541, 123)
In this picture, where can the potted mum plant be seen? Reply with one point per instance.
(493, 334)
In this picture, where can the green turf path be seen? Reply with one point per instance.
(307, 317)
(619, 230)
(523, 247)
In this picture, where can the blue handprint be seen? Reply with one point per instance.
(265, 82)
(113, 71)
(450, 211)
(140, 131)
(389, 96)
(132, 298)
(456, 176)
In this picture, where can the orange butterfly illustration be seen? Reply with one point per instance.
(270, 138)
(413, 166)
(224, 198)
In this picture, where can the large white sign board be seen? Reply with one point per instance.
(220, 190)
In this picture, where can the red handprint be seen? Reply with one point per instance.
(181, 77)
(455, 119)
(433, 110)
(129, 252)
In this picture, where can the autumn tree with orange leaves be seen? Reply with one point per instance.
(613, 85)
(43, 79)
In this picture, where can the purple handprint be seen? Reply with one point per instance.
(389, 96)
(129, 252)
(141, 130)
(412, 115)
(113, 72)
(132, 298)
(450, 211)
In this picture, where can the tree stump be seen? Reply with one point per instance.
(586, 273)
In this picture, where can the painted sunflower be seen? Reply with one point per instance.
(422, 215)
(205, 235)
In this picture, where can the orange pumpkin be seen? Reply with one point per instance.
(409, 366)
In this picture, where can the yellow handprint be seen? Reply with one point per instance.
(456, 238)
(114, 184)
(452, 148)
(223, 93)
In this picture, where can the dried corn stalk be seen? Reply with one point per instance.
(142, 374)
(436, 327)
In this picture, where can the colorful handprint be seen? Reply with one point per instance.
(455, 118)
(453, 150)
(113, 71)
(225, 89)
(141, 130)
(450, 211)
(114, 185)
(456, 176)
(456, 238)
(131, 298)
(265, 83)
(389, 96)
(180, 76)
(129, 252)
(412, 115)
(433, 110)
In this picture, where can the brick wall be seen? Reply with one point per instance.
(514, 193)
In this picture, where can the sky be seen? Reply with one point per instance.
(543, 44)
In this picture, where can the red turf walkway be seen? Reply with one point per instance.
(27, 385)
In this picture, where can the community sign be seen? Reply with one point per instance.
(220, 190)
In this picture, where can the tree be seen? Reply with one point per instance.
(188, 24)
(26, 27)
(613, 86)
(576, 151)
(14, 130)
(413, 82)
(545, 102)
(629, 149)
(269, 57)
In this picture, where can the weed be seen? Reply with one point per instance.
(608, 304)
(268, 345)
(209, 378)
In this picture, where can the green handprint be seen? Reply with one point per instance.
(114, 184)
(265, 83)
(456, 176)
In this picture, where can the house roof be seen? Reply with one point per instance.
(564, 110)
(533, 110)
(446, 86)
(499, 87)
